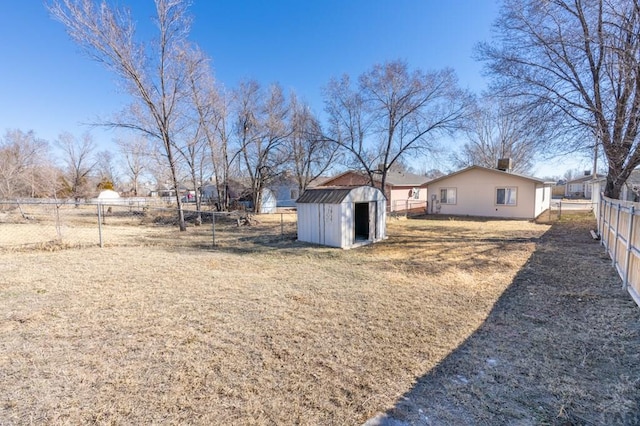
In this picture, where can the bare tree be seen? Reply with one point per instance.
(219, 132)
(262, 128)
(393, 113)
(312, 154)
(195, 157)
(22, 164)
(153, 73)
(135, 153)
(106, 169)
(579, 62)
(212, 114)
(79, 163)
(206, 151)
(496, 131)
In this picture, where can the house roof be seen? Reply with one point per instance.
(394, 178)
(324, 195)
(584, 179)
(489, 170)
(406, 179)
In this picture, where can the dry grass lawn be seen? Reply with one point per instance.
(158, 327)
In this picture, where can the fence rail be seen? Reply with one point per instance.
(618, 227)
(53, 223)
(408, 207)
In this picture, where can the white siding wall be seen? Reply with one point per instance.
(543, 197)
(476, 194)
(381, 226)
(310, 227)
(335, 226)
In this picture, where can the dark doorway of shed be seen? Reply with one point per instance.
(361, 218)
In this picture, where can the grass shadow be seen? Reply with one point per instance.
(560, 346)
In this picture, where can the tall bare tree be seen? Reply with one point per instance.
(212, 114)
(311, 153)
(578, 61)
(262, 129)
(496, 130)
(135, 153)
(107, 170)
(394, 112)
(79, 163)
(154, 73)
(22, 164)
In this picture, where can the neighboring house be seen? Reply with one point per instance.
(236, 191)
(580, 187)
(282, 193)
(286, 190)
(630, 190)
(168, 192)
(404, 191)
(558, 190)
(342, 217)
(480, 191)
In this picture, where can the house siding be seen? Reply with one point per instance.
(401, 199)
(476, 194)
(543, 199)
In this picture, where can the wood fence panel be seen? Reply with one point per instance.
(619, 230)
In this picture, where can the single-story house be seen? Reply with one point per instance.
(580, 187)
(168, 191)
(481, 191)
(630, 191)
(404, 191)
(342, 217)
(286, 190)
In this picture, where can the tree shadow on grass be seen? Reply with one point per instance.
(560, 346)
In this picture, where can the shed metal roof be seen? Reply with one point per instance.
(324, 195)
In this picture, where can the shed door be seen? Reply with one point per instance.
(361, 221)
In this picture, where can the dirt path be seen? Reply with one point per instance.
(561, 346)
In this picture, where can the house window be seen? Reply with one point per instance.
(447, 195)
(415, 192)
(294, 194)
(506, 196)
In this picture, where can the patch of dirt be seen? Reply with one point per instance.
(561, 346)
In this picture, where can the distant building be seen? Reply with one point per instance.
(404, 191)
(580, 187)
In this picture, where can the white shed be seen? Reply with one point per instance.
(342, 217)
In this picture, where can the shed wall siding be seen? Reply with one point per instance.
(333, 224)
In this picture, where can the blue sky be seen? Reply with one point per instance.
(48, 86)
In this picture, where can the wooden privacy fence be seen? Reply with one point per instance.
(619, 230)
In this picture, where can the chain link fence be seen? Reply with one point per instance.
(133, 222)
(560, 207)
